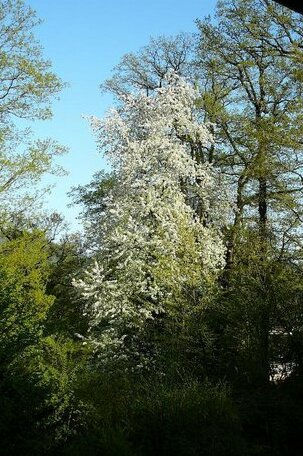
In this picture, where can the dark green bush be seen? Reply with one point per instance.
(188, 419)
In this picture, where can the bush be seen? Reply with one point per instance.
(188, 419)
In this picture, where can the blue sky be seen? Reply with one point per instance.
(84, 40)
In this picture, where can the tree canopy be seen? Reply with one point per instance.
(172, 324)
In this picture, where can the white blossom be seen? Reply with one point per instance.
(154, 243)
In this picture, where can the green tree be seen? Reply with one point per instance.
(38, 360)
(27, 87)
(23, 308)
(252, 93)
(34, 383)
(24, 303)
(27, 82)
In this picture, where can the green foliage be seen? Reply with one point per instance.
(186, 419)
(27, 87)
(92, 199)
(49, 369)
(27, 82)
(216, 350)
(39, 401)
(66, 260)
(23, 161)
(23, 301)
(148, 415)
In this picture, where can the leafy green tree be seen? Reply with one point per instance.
(27, 87)
(27, 82)
(23, 161)
(23, 308)
(24, 303)
(34, 387)
(38, 360)
(251, 91)
(253, 96)
(41, 388)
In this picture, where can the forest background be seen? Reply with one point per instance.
(172, 323)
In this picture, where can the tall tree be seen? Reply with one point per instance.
(254, 98)
(252, 92)
(248, 66)
(27, 88)
(157, 253)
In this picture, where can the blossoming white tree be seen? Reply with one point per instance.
(156, 246)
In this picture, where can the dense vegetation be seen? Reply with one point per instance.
(173, 325)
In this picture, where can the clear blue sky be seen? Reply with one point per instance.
(84, 39)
